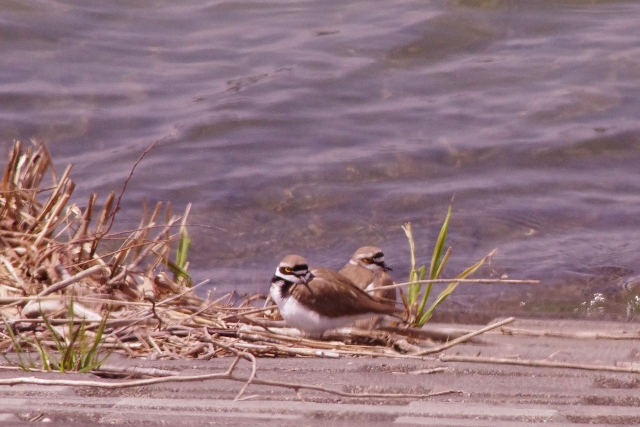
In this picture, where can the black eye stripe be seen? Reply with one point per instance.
(301, 268)
(296, 270)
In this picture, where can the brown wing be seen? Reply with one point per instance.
(383, 279)
(333, 295)
(360, 276)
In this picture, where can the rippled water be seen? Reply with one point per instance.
(319, 126)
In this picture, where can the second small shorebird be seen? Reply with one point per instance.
(367, 270)
(317, 299)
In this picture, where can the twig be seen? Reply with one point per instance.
(291, 351)
(576, 335)
(427, 371)
(247, 356)
(19, 368)
(464, 338)
(254, 367)
(204, 282)
(12, 271)
(123, 370)
(124, 186)
(254, 311)
(295, 386)
(155, 314)
(334, 348)
(480, 281)
(537, 363)
(71, 280)
(155, 345)
(145, 251)
(227, 375)
(111, 322)
(136, 383)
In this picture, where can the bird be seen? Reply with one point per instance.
(368, 271)
(317, 299)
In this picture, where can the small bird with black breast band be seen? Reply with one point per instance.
(368, 271)
(317, 299)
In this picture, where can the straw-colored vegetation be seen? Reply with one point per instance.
(72, 290)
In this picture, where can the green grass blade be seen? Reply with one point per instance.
(57, 339)
(414, 290)
(449, 290)
(429, 286)
(445, 258)
(178, 268)
(425, 297)
(45, 357)
(470, 270)
(91, 361)
(81, 348)
(183, 248)
(16, 346)
(412, 245)
(178, 271)
(439, 246)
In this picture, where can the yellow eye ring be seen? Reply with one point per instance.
(287, 270)
(366, 260)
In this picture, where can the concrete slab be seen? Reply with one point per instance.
(488, 395)
(449, 422)
(8, 418)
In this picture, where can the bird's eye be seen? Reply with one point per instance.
(366, 260)
(287, 270)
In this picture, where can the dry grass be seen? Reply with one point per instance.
(53, 252)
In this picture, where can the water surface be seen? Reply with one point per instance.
(319, 126)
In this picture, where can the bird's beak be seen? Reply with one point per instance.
(306, 279)
(385, 267)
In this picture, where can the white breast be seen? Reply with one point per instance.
(300, 317)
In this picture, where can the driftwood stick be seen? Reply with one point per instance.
(538, 363)
(252, 376)
(292, 351)
(135, 383)
(239, 354)
(464, 338)
(227, 375)
(124, 370)
(296, 387)
(427, 371)
(576, 335)
(480, 281)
